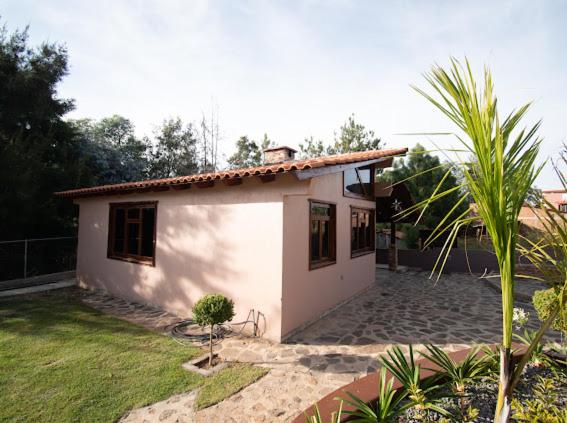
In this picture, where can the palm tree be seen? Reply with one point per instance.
(498, 177)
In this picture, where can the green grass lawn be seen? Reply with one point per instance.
(63, 361)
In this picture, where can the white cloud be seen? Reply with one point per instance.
(294, 69)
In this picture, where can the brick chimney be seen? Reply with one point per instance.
(281, 154)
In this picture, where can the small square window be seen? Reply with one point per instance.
(132, 232)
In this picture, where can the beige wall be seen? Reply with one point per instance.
(309, 293)
(214, 240)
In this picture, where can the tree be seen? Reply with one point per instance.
(110, 152)
(422, 173)
(498, 178)
(174, 151)
(248, 153)
(211, 310)
(311, 148)
(38, 152)
(208, 140)
(352, 137)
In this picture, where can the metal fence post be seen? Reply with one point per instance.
(25, 259)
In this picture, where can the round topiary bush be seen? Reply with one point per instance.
(544, 301)
(211, 310)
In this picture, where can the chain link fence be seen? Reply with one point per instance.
(27, 258)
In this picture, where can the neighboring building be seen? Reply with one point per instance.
(530, 217)
(557, 197)
(289, 239)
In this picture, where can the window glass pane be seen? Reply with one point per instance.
(357, 181)
(318, 209)
(133, 213)
(326, 239)
(361, 229)
(369, 228)
(351, 182)
(119, 222)
(364, 174)
(354, 231)
(314, 240)
(148, 223)
(133, 238)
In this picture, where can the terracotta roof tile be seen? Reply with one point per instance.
(296, 165)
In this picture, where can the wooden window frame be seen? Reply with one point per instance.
(332, 259)
(369, 196)
(562, 207)
(132, 258)
(370, 249)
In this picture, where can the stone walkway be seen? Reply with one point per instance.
(399, 309)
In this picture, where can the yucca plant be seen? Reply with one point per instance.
(422, 394)
(386, 408)
(497, 176)
(459, 374)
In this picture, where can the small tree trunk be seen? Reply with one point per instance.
(211, 347)
(504, 402)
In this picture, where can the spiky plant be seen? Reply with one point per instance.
(317, 418)
(459, 374)
(422, 394)
(498, 177)
(386, 408)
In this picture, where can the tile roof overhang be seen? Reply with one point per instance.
(298, 167)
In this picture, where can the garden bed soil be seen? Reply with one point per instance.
(482, 396)
(201, 365)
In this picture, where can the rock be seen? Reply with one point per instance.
(166, 414)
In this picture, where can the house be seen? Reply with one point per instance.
(288, 240)
(531, 218)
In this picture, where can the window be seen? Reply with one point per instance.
(563, 208)
(322, 238)
(132, 232)
(359, 182)
(363, 230)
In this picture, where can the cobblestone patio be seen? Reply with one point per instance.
(401, 308)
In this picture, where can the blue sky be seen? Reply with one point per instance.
(299, 68)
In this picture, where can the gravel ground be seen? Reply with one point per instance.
(482, 395)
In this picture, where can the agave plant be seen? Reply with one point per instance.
(422, 394)
(386, 408)
(317, 418)
(459, 374)
(498, 177)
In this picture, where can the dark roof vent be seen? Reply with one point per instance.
(281, 154)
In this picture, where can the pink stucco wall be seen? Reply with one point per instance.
(249, 242)
(213, 240)
(309, 293)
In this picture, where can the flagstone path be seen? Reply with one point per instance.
(400, 308)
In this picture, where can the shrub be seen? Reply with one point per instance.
(211, 310)
(411, 235)
(544, 301)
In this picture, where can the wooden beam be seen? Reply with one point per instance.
(232, 182)
(205, 184)
(160, 188)
(270, 177)
(178, 187)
